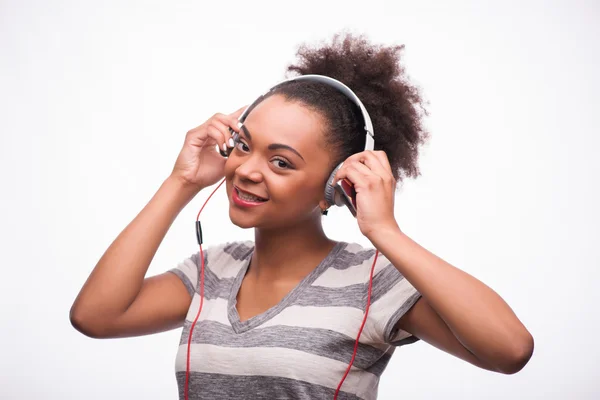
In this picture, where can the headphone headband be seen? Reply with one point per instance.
(368, 125)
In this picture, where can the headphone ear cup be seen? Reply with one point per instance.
(330, 189)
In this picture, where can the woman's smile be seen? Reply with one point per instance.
(243, 199)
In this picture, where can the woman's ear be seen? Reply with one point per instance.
(323, 205)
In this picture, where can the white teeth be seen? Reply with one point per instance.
(248, 197)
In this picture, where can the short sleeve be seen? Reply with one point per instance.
(188, 270)
(391, 297)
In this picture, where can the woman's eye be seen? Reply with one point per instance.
(279, 163)
(239, 144)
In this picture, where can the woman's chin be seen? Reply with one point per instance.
(242, 221)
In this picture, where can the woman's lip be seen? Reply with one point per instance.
(248, 193)
(243, 203)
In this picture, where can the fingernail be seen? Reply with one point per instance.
(230, 142)
(224, 147)
(239, 125)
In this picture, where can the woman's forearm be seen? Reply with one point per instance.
(117, 278)
(478, 317)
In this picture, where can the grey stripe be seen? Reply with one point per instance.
(319, 296)
(351, 295)
(407, 340)
(215, 288)
(320, 342)
(218, 386)
(238, 250)
(347, 259)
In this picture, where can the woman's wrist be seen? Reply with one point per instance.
(184, 192)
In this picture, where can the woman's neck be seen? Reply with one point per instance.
(289, 253)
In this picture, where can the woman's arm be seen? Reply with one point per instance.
(116, 300)
(473, 315)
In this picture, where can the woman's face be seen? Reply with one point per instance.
(279, 157)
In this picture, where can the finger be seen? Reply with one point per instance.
(353, 173)
(224, 129)
(217, 135)
(236, 114)
(363, 170)
(351, 164)
(195, 130)
(365, 162)
(383, 158)
(378, 162)
(365, 157)
(230, 121)
(369, 159)
(388, 176)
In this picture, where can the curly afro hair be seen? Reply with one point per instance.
(375, 74)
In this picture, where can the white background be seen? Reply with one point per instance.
(95, 101)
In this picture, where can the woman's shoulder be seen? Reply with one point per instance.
(355, 254)
(219, 254)
(351, 265)
(236, 248)
(221, 260)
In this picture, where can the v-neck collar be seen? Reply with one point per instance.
(243, 326)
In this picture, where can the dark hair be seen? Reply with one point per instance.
(374, 73)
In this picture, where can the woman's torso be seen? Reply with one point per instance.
(299, 348)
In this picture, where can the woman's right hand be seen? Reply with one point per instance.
(199, 163)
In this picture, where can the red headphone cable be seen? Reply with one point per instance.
(337, 391)
(199, 237)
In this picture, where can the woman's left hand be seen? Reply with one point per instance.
(375, 186)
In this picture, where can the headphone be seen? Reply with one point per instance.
(342, 193)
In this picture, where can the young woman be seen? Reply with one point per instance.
(279, 316)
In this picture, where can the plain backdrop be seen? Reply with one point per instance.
(96, 98)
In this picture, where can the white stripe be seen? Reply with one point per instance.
(231, 268)
(354, 247)
(222, 264)
(344, 320)
(212, 310)
(277, 362)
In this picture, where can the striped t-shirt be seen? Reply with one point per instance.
(301, 347)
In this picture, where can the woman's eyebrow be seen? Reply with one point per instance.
(273, 146)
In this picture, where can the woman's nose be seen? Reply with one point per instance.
(250, 169)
